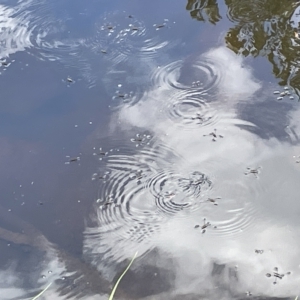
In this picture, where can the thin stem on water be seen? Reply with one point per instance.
(118, 281)
(42, 292)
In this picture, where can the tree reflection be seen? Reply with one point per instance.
(204, 9)
(267, 28)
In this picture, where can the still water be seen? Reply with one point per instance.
(169, 129)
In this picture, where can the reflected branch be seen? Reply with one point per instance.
(203, 10)
(268, 28)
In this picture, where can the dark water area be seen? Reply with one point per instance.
(167, 129)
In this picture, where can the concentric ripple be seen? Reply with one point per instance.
(141, 193)
(190, 110)
(201, 76)
(173, 193)
(121, 36)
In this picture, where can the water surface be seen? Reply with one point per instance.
(167, 129)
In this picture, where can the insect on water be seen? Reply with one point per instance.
(214, 135)
(277, 275)
(255, 171)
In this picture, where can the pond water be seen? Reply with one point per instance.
(169, 130)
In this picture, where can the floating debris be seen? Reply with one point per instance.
(69, 79)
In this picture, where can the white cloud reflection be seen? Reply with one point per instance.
(253, 213)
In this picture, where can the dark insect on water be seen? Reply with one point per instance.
(213, 200)
(214, 135)
(255, 171)
(205, 225)
(73, 159)
(277, 275)
(194, 183)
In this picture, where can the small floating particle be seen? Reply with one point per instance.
(292, 97)
(69, 79)
(76, 126)
(279, 98)
(276, 92)
(135, 28)
(103, 51)
(286, 87)
(197, 226)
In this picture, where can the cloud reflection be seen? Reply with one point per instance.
(257, 210)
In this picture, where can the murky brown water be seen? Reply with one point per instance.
(166, 129)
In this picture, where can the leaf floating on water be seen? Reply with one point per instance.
(42, 292)
(118, 281)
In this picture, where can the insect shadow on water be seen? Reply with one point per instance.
(254, 171)
(277, 275)
(214, 135)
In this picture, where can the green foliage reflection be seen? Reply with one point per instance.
(204, 9)
(266, 28)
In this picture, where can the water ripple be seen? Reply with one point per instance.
(200, 77)
(190, 110)
(141, 193)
